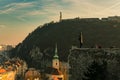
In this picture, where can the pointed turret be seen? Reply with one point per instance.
(56, 59)
(56, 53)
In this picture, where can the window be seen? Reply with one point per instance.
(59, 78)
(36, 78)
(28, 79)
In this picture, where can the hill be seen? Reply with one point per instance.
(66, 34)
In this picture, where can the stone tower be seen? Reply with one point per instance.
(60, 16)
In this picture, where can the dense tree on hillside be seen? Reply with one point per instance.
(36, 56)
(78, 63)
(96, 71)
(65, 34)
(94, 64)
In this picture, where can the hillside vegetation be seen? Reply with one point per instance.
(95, 64)
(66, 34)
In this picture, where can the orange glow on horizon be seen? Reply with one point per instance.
(0, 47)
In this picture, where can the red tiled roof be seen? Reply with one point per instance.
(2, 71)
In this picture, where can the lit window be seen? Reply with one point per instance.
(36, 79)
(28, 79)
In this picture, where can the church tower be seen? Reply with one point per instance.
(56, 59)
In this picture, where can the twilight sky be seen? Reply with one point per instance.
(20, 17)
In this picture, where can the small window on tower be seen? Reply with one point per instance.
(56, 63)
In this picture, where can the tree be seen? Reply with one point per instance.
(36, 56)
(96, 71)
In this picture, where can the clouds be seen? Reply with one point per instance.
(19, 5)
(93, 8)
(35, 12)
(110, 9)
(2, 26)
(51, 8)
(46, 7)
(13, 7)
(28, 14)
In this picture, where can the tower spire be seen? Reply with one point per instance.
(56, 52)
(56, 59)
(81, 39)
(60, 16)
